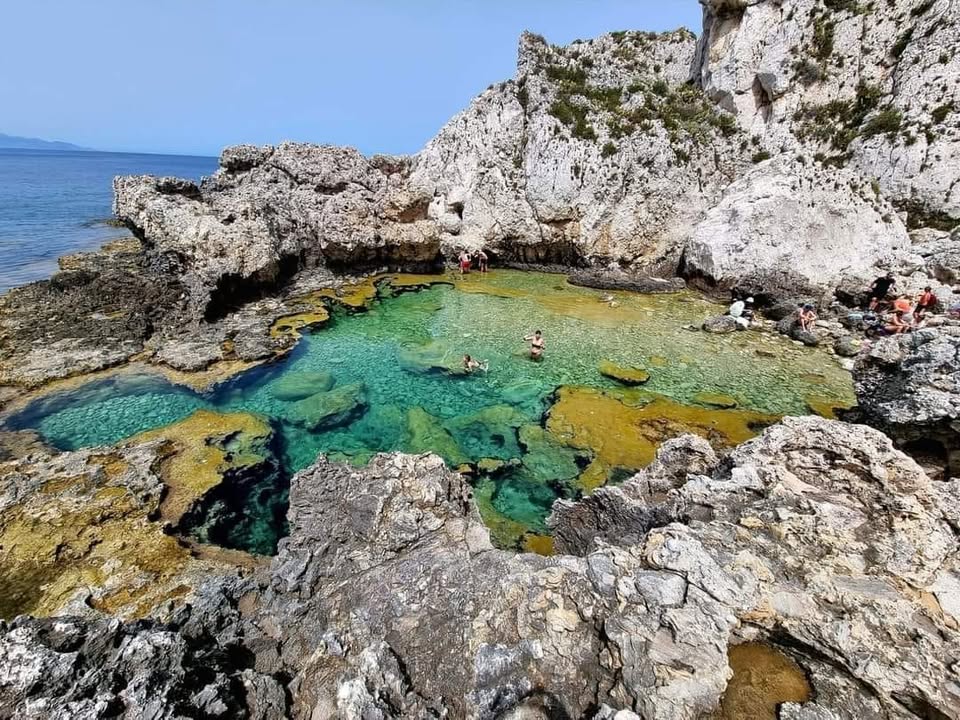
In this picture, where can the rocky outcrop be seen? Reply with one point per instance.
(796, 224)
(84, 532)
(595, 152)
(909, 387)
(817, 537)
(267, 212)
(870, 86)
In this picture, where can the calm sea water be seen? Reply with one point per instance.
(53, 203)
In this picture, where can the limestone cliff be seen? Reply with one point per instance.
(872, 86)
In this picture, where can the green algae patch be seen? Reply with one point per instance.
(763, 679)
(426, 434)
(505, 531)
(207, 446)
(624, 375)
(330, 409)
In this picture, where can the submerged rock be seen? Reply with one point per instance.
(299, 385)
(432, 358)
(339, 406)
(624, 375)
(427, 434)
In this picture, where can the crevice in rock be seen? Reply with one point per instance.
(233, 291)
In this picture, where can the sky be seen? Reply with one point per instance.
(191, 76)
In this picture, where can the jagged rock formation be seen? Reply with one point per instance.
(268, 212)
(870, 85)
(908, 387)
(616, 150)
(817, 536)
(598, 151)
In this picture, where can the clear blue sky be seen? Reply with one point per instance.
(191, 76)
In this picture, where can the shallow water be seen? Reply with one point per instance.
(396, 350)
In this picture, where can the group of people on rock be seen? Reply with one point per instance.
(902, 315)
(885, 313)
(465, 261)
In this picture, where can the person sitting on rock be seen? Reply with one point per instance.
(897, 324)
(807, 318)
(464, 262)
(482, 261)
(537, 345)
(881, 286)
(748, 310)
(903, 304)
(737, 308)
(470, 364)
(925, 303)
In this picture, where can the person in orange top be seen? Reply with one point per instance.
(925, 303)
(902, 304)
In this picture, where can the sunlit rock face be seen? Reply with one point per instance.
(595, 152)
(869, 86)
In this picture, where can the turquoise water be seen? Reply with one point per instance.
(53, 202)
(391, 360)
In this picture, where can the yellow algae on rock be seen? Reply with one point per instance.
(81, 533)
(763, 679)
(354, 296)
(623, 375)
(828, 408)
(716, 400)
(403, 281)
(291, 325)
(206, 446)
(626, 436)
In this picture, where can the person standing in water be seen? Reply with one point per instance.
(464, 262)
(481, 261)
(537, 345)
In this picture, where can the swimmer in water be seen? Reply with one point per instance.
(471, 364)
(537, 345)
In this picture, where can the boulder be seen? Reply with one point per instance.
(744, 235)
(721, 324)
(909, 387)
(427, 434)
(325, 410)
(847, 346)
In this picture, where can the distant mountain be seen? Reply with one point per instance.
(23, 143)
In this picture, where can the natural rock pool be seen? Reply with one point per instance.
(386, 375)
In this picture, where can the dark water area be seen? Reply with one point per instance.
(54, 203)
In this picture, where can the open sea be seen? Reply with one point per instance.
(54, 203)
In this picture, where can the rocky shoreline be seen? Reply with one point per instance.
(793, 152)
